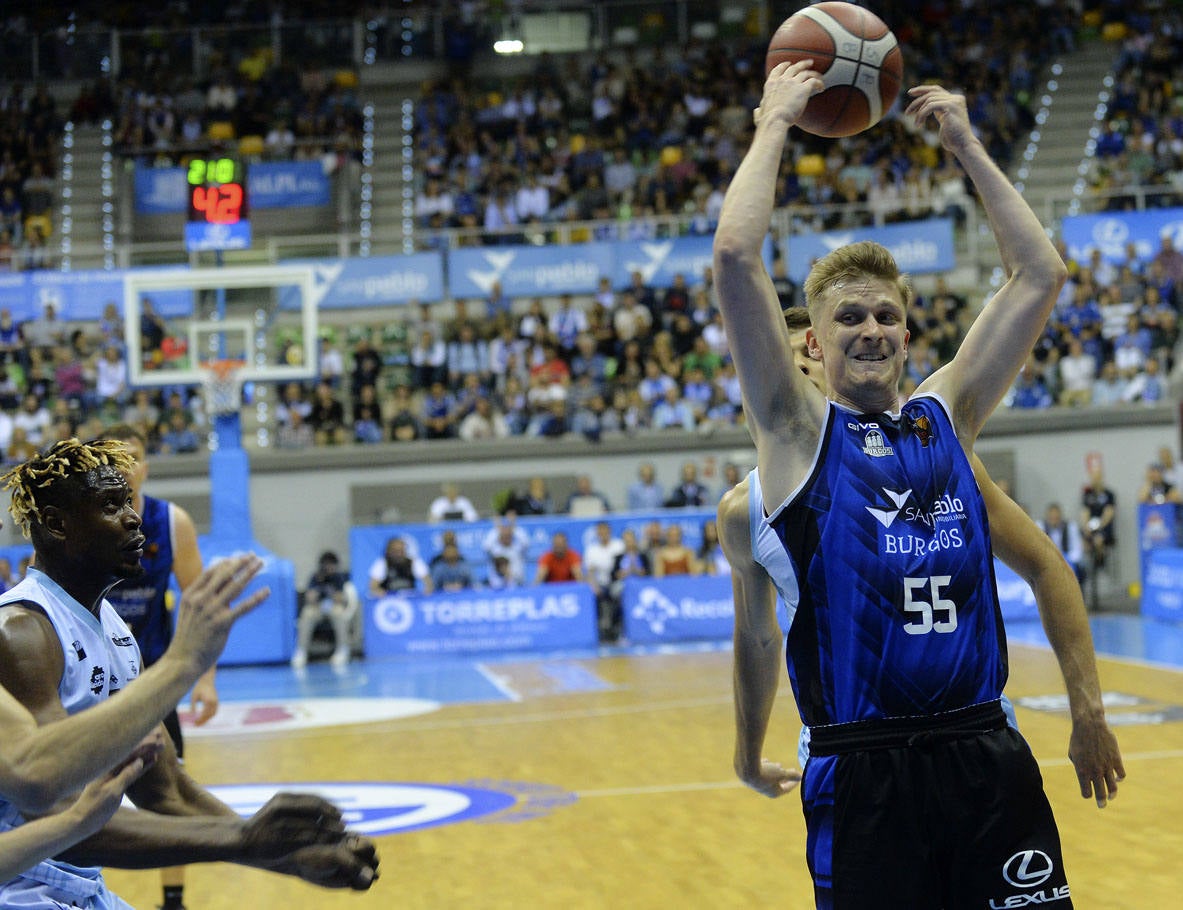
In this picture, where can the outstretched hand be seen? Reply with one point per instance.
(288, 822)
(787, 90)
(304, 836)
(773, 779)
(950, 111)
(1093, 751)
(351, 863)
(205, 616)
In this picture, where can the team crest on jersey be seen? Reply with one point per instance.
(922, 427)
(98, 680)
(875, 446)
(122, 641)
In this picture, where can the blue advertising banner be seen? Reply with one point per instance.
(918, 246)
(15, 296)
(1112, 231)
(287, 184)
(1015, 596)
(1162, 585)
(271, 185)
(520, 619)
(78, 296)
(1159, 526)
(659, 261)
(529, 271)
(678, 608)
(160, 190)
(367, 543)
(375, 281)
(202, 237)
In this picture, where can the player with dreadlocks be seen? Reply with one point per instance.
(64, 650)
(39, 765)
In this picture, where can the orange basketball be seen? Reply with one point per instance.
(858, 57)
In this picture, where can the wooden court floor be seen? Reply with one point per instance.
(658, 820)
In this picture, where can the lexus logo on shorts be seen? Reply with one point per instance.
(1028, 869)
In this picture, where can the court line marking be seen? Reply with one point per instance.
(499, 682)
(657, 789)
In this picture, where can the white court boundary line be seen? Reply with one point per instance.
(499, 682)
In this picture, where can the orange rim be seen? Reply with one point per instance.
(222, 369)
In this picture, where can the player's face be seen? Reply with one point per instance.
(105, 528)
(862, 340)
(806, 364)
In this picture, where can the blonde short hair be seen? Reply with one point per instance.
(865, 259)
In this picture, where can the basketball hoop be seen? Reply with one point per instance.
(223, 387)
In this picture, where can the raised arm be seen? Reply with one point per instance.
(40, 763)
(1003, 334)
(774, 393)
(187, 569)
(757, 650)
(1020, 543)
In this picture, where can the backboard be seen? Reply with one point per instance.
(177, 322)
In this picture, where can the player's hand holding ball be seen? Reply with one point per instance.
(857, 57)
(787, 92)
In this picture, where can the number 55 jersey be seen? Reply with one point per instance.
(882, 556)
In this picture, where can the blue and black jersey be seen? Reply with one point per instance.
(141, 602)
(882, 556)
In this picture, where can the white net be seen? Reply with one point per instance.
(223, 387)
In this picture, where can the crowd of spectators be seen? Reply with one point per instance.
(601, 559)
(59, 380)
(262, 110)
(1112, 337)
(30, 131)
(1141, 139)
(633, 360)
(639, 135)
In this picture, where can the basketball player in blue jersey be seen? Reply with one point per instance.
(917, 794)
(64, 650)
(1016, 539)
(142, 603)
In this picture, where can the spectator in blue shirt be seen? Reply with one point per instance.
(645, 493)
(654, 386)
(450, 571)
(179, 437)
(1109, 388)
(1081, 314)
(673, 412)
(1031, 390)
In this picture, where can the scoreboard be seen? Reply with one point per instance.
(219, 206)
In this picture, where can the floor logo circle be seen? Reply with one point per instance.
(377, 809)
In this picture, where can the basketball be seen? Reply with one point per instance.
(858, 58)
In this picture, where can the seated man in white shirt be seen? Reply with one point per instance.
(451, 506)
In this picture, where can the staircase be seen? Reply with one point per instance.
(389, 184)
(1060, 149)
(85, 200)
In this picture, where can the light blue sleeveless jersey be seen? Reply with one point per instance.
(100, 657)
